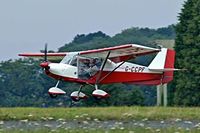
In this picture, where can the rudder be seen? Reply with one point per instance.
(164, 63)
(169, 64)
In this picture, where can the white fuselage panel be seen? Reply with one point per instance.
(127, 67)
(64, 70)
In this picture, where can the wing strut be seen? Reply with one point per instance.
(113, 70)
(102, 67)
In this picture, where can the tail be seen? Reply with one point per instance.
(164, 62)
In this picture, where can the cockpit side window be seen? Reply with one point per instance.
(74, 61)
(88, 67)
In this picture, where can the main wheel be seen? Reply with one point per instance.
(76, 96)
(53, 95)
(75, 99)
(100, 94)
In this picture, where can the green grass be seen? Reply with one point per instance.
(133, 130)
(101, 113)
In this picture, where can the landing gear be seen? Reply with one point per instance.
(53, 95)
(55, 91)
(99, 94)
(78, 95)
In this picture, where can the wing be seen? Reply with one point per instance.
(50, 56)
(120, 53)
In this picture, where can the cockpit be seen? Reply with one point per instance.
(86, 66)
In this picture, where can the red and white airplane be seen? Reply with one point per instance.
(105, 66)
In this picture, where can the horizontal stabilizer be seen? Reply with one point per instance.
(166, 70)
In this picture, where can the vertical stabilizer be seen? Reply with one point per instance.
(164, 63)
(158, 63)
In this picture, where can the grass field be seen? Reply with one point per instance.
(134, 130)
(101, 113)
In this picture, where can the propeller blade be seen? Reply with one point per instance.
(45, 53)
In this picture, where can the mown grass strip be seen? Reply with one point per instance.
(101, 113)
(100, 130)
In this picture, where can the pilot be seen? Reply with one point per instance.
(93, 68)
(83, 68)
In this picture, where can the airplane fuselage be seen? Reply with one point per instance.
(126, 73)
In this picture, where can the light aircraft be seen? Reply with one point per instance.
(106, 66)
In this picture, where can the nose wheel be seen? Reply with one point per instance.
(55, 91)
(53, 95)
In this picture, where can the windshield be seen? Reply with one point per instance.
(69, 58)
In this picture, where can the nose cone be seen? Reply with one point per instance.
(45, 65)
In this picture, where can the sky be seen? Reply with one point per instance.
(26, 25)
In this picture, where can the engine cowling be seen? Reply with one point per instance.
(100, 94)
(54, 92)
(76, 96)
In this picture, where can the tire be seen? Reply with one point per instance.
(53, 95)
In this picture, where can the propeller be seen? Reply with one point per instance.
(45, 53)
(45, 63)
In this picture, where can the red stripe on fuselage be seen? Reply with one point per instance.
(115, 77)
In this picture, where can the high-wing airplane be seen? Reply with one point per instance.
(105, 66)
